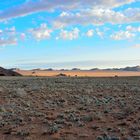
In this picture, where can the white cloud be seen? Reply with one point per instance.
(10, 31)
(129, 33)
(133, 29)
(136, 46)
(30, 7)
(22, 36)
(123, 35)
(63, 14)
(8, 41)
(43, 32)
(59, 25)
(8, 36)
(133, 14)
(97, 16)
(69, 35)
(1, 32)
(90, 33)
(99, 33)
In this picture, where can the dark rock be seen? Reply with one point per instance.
(6, 72)
(87, 118)
(61, 75)
(23, 133)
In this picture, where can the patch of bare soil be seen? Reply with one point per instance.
(66, 108)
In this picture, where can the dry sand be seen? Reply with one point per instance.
(79, 73)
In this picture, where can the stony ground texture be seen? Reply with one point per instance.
(65, 108)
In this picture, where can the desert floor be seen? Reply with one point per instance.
(82, 73)
(69, 108)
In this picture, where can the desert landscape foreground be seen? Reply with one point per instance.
(69, 108)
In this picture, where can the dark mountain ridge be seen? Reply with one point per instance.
(8, 72)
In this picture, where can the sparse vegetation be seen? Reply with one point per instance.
(70, 108)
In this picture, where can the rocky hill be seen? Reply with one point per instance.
(6, 72)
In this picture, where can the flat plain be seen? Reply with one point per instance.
(69, 108)
(81, 73)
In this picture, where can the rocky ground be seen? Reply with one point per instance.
(65, 108)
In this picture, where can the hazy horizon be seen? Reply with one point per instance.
(83, 65)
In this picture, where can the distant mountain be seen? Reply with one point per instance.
(38, 69)
(6, 72)
(14, 69)
(135, 68)
(94, 69)
(76, 69)
(49, 69)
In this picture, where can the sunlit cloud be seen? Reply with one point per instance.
(69, 35)
(30, 7)
(8, 41)
(42, 32)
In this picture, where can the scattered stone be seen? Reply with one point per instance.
(23, 133)
(20, 92)
(107, 137)
(69, 108)
(53, 129)
(87, 118)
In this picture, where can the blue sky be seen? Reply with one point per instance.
(66, 34)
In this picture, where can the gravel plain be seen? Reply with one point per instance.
(69, 108)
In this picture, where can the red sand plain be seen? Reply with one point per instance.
(82, 73)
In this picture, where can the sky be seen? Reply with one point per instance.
(67, 34)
